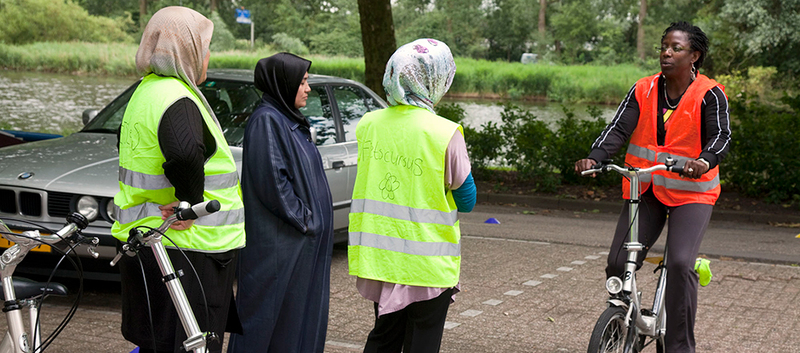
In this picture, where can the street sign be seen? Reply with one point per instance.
(243, 16)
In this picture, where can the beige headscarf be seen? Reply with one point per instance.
(175, 43)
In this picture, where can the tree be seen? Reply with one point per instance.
(377, 37)
(640, 47)
(142, 13)
(542, 13)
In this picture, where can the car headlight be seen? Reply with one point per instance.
(110, 209)
(88, 207)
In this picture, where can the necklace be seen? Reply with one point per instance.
(666, 97)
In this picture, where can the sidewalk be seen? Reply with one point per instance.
(615, 207)
(528, 296)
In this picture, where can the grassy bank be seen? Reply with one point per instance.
(591, 84)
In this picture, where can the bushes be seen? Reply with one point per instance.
(222, 39)
(534, 150)
(284, 42)
(30, 21)
(763, 159)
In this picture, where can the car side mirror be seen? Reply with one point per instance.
(88, 115)
(313, 131)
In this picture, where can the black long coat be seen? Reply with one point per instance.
(284, 271)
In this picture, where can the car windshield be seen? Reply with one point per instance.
(232, 102)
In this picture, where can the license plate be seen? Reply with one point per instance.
(5, 243)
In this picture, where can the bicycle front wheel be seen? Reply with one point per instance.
(610, 333)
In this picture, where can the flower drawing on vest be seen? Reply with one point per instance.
(388, 185)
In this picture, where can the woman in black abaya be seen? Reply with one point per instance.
(284, 271)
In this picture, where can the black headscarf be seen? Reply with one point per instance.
(279, 77)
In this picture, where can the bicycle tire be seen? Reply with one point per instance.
(610, 332)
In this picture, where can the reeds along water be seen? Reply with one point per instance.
(474, 78)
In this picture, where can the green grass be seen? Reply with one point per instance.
(587, 83)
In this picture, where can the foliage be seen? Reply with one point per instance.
(284, 42)
(452, 112)
(29, 21)
(572, 140)
(222, 39)
(74, 57)
(534, 150)
(763, 159)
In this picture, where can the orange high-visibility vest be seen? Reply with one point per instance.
(682, 142)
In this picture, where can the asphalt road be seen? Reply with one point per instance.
(534, 283)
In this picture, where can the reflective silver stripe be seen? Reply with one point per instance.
(221, 181)
(156, 182)
(679, 160)
(149, 209)
(138, 212)
(404, 246)
(222, 218)
(405, 213)
(686, 185)
(143, 181)
(641, 152)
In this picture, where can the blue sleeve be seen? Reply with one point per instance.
(466, 195)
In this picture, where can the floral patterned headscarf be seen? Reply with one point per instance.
(419, 74)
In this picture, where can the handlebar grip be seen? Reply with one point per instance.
(678, 169)
(198, 210)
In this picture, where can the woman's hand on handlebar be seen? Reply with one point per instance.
(586, 164)
(169, 210)
(694, 169)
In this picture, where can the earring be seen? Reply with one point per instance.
(694, 72)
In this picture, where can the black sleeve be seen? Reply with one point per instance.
(717, 127)
(618, 130)
(181, 137)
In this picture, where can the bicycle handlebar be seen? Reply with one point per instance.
(602, 167)
(198, 210)
(69, 232)
(183, 212)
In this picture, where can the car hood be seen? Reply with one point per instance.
(77, 163)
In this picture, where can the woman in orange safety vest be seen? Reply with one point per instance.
(682, 114)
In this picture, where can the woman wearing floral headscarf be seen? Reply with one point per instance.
(170, 145)
(413, 179)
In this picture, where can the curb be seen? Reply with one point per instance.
(616, 207)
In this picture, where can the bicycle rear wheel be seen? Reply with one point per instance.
(610, 332)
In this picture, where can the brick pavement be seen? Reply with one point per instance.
(549, 301)
(524, 296)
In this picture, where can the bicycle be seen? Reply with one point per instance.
(19, 293)
(196, 340)
(625, 326)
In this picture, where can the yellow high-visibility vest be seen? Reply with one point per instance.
(404, 224)
(143, 185)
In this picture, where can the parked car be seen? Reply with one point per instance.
(44, 181)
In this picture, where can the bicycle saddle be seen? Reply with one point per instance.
(29, 289)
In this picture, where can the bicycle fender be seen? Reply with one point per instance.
(617, 302)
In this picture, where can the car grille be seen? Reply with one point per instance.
(8, 201)
(29, 203)
(58, 204)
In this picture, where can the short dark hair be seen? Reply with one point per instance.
(697, 38)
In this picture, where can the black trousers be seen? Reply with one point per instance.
(687, 225)
(416, 328)
(216, 272)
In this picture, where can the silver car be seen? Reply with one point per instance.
(44, 181)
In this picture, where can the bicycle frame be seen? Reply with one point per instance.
(196, 341)
(650, 325)
(16, 339)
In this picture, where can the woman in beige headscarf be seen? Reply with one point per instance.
(170, 143)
